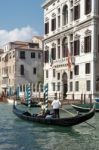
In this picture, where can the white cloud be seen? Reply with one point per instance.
(22, 34)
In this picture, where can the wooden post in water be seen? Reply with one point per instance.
(73, 97)
(90, 97)
(81, 98)
(84, 98)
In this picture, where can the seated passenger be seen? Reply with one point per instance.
(27, 113)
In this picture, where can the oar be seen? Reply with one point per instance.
(75, 114)
(90, 125)
(68, 112)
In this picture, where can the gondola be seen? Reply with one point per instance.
(85, 107)
(67, 122)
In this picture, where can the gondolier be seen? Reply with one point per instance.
(56, 104)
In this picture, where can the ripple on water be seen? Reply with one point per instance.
(17, 134)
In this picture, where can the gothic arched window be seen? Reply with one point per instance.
(65, 47)
(65, 15)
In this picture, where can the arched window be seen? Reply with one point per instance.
(65, 47)
(22, 69)
(65, 15)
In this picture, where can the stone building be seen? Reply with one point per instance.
(71, 47)
(21, 63)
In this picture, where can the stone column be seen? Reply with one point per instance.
(93, 50)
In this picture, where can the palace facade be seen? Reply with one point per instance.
(71, 48)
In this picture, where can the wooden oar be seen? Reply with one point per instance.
(74, 115)
(68, 112)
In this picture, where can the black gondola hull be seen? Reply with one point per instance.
(83, 108)
(75, 120)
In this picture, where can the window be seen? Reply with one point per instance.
(65, 15)
(76, 70)
(41, 87)
(71, 44)
(71, 15)
(39, 55)
(71, 75)
(87, 6)
(76, 12)
(37, 87)
(58, 48)
(53, 23)
(71, 86)
(88, 85)
(46, 73)
(58, 21)
(76, 86)
(58, 52)
(34, 70)
(71, 3)
(20, 88)
(87, 68)
(87, 44)
(32, 55)
(65, 47)
(97, 84)
(54, 73)
(58, 86)
(58, 17)
(58, 76)
(22, 69)
(53, 53)
(22, 54)
(24, 88)
(71, 47)
(33, 87)
(76, 47)
(53, 85)
(46, 27)
(46, 56)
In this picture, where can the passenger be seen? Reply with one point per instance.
(56, 104)
(42, 112)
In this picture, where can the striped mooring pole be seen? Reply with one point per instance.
(28, 94)
(46, 96)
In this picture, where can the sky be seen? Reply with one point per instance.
(20, 20)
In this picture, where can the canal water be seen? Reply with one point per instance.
(16, 134)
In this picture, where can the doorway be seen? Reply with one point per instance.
(65, 85)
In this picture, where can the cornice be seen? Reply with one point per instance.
(47, 3)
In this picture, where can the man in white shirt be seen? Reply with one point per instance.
(56, 104)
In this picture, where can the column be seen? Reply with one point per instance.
(93, 49)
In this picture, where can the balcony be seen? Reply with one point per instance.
(4, 86)
(5, 75)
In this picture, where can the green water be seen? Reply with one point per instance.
(16, 134)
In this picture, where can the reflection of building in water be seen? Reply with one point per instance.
(71, 47)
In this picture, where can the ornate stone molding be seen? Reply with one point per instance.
(53, 45)
(46, 47)
(46, 19)
(76, 36)
(76, 1)
(53, 15)
(88, 32)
